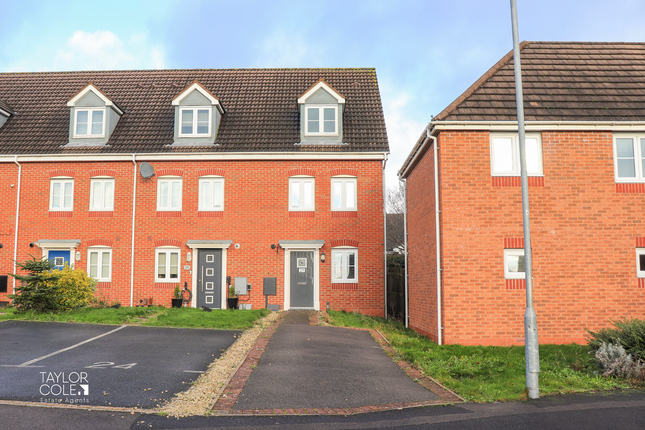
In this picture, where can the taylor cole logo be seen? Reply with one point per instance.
(72, 386)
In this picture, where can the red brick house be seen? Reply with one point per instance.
(152, 179)
(585, 123)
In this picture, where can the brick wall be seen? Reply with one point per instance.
(584, 233)
(255, 216)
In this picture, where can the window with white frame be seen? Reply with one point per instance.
(301, 193)
(61, 194)
(169, 193)
(321, 120)
(167, 264)
(211, 193)
(195, 121)
(99, 263)
(343, 193)
(514, 265)
(505, 154)
(344, 263)
(640, 262)
(629, 158)
(102, 194)
(89, 122)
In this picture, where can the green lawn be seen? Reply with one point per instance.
(156, 316)
(488, 373)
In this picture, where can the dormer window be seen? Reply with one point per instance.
(93, 117)
(198, 114)
(321, 115)
(321, 120)
(195, 122)
(89, 123)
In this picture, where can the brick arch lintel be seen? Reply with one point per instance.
(513, 242)
(103, 172)
(344, 171)
(301, 171)
(167, 242)
(100, 242)
(212, 171)
(61, 172)
(344, 242)
(170, 172)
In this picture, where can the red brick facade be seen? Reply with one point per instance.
(585, 230)
(255, 216)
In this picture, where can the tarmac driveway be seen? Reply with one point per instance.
(106, 365)
(307, 366)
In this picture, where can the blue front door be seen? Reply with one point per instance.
(59, 258)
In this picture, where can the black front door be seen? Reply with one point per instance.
(302, 279)
(209, 278)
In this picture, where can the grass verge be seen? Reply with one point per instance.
(217, 319)
(157, 317)
(488, 373)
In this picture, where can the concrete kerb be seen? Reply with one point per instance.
(228, 396)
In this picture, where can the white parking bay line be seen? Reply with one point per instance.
(27, 363)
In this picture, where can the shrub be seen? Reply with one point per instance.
(43, 289)
(614, 361)
(395, 260)
(75, 288)
(37, 289)
(629, 333)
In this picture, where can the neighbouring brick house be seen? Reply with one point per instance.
(152, 179)
(585, 126)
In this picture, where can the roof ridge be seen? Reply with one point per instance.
(478, 83)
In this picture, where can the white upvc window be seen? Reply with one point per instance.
(505, 154)
(211, 193)
(640, 262)
(167, 264)
(321, 120)
(343, 193)
(514, 265)
(89, 122)
(99, 263)
(629, 158)
(61, 194)
(344, 265)
(169, 193)
(102, 194)
(302, 193)
(195, 121)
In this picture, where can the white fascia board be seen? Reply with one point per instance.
(5, 113)
(319, 85)
(195, 86)
(540, 125)
(97, 93)
(54, 243)
(301, 244)
(217, 156)
(209, 244)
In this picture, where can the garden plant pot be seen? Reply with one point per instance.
(232, 303)
(176, 303)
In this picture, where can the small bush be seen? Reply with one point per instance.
(629, 333)
(75, 288)
(614, 361)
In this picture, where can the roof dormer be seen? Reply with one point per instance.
(321, 115)
(93, 117)
(5, 112)
(198, 114)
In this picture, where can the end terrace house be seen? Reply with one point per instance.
(585, 140)
(199, 178)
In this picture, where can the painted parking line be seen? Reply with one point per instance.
(35, 360)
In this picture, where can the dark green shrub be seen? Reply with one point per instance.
(629, 333)
(37, 289)
(395, 260)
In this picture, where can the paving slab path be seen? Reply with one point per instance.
(316, 367)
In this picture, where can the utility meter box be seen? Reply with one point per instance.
(270, 286)
(240, 286)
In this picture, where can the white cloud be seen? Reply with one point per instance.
(104, 50)
(101, 50)
(403, 130)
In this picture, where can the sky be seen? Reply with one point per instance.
(426, 52)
